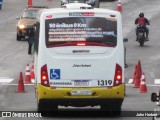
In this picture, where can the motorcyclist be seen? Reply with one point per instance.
(142, 21)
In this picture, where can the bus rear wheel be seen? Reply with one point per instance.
(111, 110)
(46, 107)
(41, 107)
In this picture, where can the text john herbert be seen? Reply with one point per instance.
(146, 114)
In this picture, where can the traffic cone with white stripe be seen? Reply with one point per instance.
(29, 3)
(28, 75)
(143, 87)
(20, 87)
(119, 6)
(32, 73)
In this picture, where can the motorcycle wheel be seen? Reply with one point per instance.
(141, 42)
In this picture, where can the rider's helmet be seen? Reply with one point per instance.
(141, 14)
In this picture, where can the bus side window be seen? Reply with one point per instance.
(36, 42)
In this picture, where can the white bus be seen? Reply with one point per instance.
(79, 59)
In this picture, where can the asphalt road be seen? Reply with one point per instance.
(14, 57)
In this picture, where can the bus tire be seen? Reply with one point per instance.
(112, 110)
(53, 107)
(117, 110)
(41, 107)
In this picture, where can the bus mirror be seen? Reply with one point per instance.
(125, 39)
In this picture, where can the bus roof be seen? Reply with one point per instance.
(65, 10)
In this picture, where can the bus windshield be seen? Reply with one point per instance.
(94, 31)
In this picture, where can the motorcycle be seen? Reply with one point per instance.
(141, 35)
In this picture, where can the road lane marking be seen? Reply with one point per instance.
(157, 81)
(6, 80)
(130, 81)
(149, 85)
(8, 84)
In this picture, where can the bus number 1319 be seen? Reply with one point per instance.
(104, 82)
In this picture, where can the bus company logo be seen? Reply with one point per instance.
(20, 114)
(81, 65)
(81, 14)
(55, 74)
(6, 114)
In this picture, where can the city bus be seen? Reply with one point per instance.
(79, 58)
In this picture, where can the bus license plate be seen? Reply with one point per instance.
(81, 92)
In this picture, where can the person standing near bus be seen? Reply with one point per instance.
(30, 40)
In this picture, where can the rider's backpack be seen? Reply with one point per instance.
(141, 21)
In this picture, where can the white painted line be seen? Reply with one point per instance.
(149, 85)
(157, 81)
(130, 81)
(6, 80)
(14, 84)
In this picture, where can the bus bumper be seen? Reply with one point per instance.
(62, 96)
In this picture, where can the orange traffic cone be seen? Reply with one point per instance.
(140, 68)
(27, 75)
(29, 3)
(32, 73)
(143, 87)
(135, 72)
(138, 76)
(20, 87)
(137, 81)
(119, 6)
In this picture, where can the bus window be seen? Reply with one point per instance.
(69, 31)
